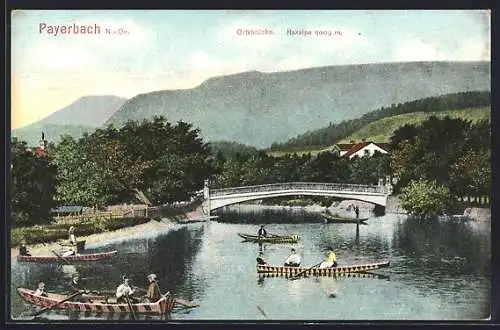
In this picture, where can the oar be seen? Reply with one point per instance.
(262, 311)
(130, 306)
(60, 257)
(185, 303)
(304, 271)
(62, 301)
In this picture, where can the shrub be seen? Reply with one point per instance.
(425, 199)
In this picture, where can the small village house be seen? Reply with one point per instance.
(360, 149)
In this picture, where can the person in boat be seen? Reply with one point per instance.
(71, 234)
(23, 250)
(153, 294)
(40, 290)
(356, 210)
(262, 231)
(293, 259)
(331, 260)
(70, 252)
(123, 291)
(77, 286)
(260, 259)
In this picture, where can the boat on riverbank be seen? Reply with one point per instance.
(270, 238)
(162, 306)
(332, 219)
(315, 271)
(68, 259)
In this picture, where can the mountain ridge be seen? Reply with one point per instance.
(257, 108)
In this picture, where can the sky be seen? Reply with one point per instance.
(178, 49)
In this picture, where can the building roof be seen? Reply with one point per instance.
(67, 209)
(345, 146)
(358, 146)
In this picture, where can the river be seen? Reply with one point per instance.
(439, 270)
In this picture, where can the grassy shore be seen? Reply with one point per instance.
(101, 237)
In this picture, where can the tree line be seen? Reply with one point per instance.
(331, 134)
(159, 162)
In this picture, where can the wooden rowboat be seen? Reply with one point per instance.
(270, 239)
(331, 219)
(162, 306)
(332, 271)
(69, 259)
(336, 276)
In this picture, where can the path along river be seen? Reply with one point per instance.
(439, 270)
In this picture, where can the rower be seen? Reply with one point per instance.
(331, 260)
(262, 231)
(77, 286)
(23, 250)
(71, 252)
(153, 294)
(40, 291)
(124, 290)
(293, 259)
(260, 259)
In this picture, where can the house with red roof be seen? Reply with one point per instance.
(360, 149)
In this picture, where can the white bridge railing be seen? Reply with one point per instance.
(311, 186)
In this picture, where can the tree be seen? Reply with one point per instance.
(471, 174)
(79, 179)
(32, 186)
(425, 199)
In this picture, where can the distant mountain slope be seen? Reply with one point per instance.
(382, 130)
(83, 115)
(258, 109)
(32, 133)
(91, 110)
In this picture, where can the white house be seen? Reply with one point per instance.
(360, 149)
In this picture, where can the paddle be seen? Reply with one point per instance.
(62, 301)
(130, 306)
(60, 257)
(304, 271)
(262, 311)
(186, 304)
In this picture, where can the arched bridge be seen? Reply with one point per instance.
(217, 198)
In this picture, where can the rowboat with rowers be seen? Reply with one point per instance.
(68, 259)
(270, 238)
(315, 271)
(99, 304)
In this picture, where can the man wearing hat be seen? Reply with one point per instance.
(77, 286)
(123, 291)
(153, 294)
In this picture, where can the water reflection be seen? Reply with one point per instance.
(439, 270)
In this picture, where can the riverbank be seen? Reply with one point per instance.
(103, 237)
